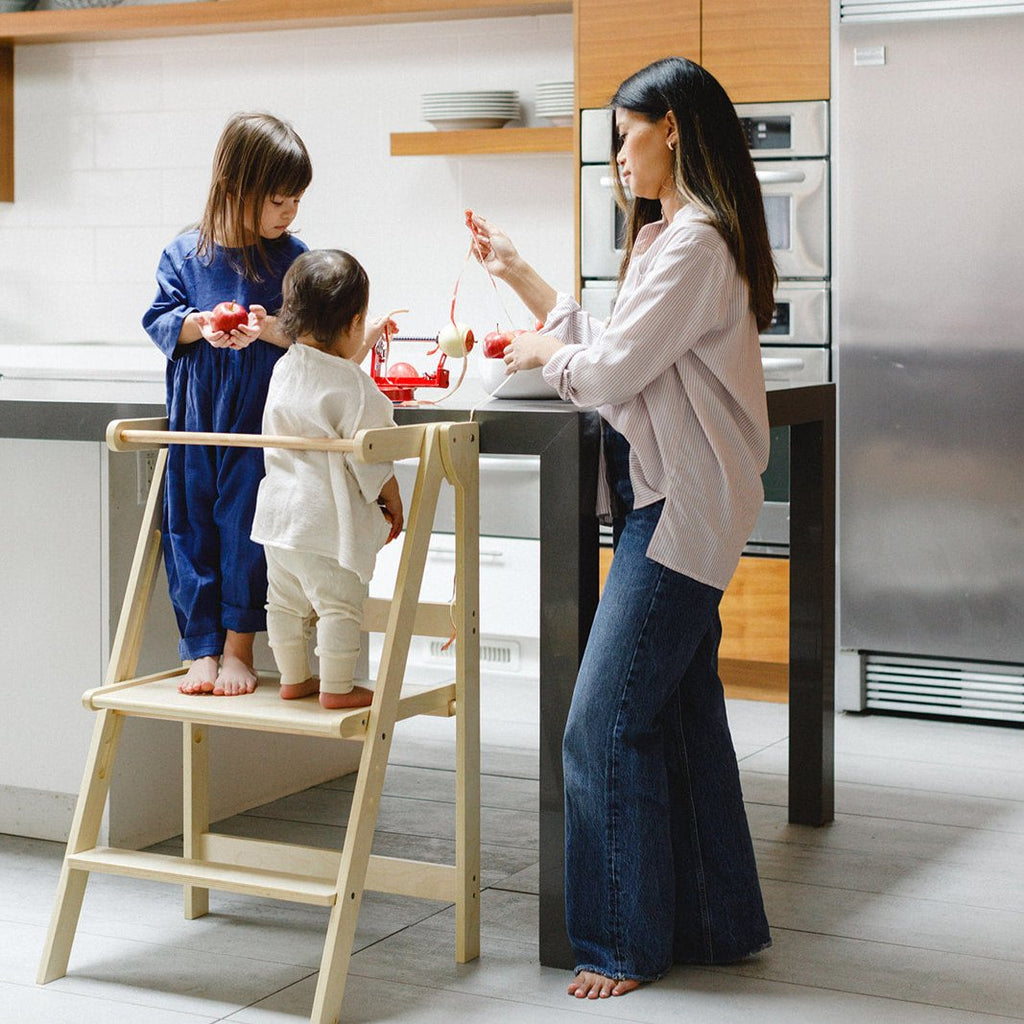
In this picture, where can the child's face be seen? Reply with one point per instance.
(277, 214)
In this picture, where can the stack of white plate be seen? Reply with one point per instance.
(555, 102)
(478, 108)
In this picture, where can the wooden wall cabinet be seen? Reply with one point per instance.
(767, 50)
(760, 50)
(614, 39)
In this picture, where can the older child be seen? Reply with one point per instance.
(323, 516)
(218, 381)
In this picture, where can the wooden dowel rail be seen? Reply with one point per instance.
(150, 438)
(373, 444)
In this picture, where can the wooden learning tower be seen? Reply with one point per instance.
(330, 878)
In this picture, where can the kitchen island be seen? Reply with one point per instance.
(566, 441)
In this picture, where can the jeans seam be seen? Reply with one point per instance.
(616, 734)
(705, 910)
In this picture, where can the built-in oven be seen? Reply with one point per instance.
(789, 143)
(790, 146)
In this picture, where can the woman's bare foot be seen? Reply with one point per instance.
(357, 697)
(236, 675)
(588, 985)
(201, 676)
(292, 691)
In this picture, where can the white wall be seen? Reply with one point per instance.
(114, 142)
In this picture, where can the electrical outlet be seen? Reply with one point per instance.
(145, 468)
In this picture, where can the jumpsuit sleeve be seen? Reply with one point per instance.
(163, 320)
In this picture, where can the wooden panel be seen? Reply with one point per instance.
(6, 124)
(755, 612)
(482, 141)
(754, 654)
(614, 39)
(245, 15)
(767, 50)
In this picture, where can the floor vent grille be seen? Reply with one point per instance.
(496, 654)
(951, 688)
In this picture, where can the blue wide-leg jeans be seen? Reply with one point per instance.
(659, 862)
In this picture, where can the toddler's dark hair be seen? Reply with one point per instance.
(324, 291)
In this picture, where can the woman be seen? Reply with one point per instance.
(659, 862)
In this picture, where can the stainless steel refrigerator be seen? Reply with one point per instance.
(928, 285)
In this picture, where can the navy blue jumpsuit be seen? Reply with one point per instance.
(216, 574)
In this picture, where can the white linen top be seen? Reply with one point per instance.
(677, 371)
(323, 502)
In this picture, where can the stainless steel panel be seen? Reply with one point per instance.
(930, 342)
(794, 365)
(802, 314)
(598, 255)
(808, 126)
(598, 298)
(596, 136)
(796, 207)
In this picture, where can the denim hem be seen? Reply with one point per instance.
(244, 620)
(725, 961)
(206, 645)
(617, 975)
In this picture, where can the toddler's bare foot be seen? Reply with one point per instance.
(292, 691)
(357, 697)
(235, 677)
(588, 985)
(201, 676)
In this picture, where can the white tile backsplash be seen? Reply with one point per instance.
(114, 142)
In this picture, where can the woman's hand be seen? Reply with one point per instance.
(491, 246)
(528, 350)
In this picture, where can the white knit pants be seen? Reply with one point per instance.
(300, 584)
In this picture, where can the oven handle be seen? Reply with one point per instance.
(780, 177)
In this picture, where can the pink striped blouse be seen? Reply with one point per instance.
(677, 371)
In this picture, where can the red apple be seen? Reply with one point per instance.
(397, 370)
(226, 316)
(494, 344)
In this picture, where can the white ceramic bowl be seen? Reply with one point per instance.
(525, 384)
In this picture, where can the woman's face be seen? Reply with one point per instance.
(645, 160)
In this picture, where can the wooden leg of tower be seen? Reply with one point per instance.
(85, 829)
(196, 778)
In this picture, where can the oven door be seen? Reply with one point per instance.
(795, 196)
(602, 223)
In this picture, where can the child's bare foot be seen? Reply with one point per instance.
(357, 697)
(201, 676)
(236, 675)
(292, 691)
(588, 985)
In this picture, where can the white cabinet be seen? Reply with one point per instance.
(68, 527)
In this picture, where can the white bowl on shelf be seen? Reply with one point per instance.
(524, 384)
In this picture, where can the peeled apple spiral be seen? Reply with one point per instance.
(455, 340)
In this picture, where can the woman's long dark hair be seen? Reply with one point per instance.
(258, 156)
(713, 168)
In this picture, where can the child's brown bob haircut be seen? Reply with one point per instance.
(324, 291)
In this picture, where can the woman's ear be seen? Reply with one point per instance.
(671, 130)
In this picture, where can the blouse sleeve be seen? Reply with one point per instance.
(375, 410)
(681, 295)
(163, 320)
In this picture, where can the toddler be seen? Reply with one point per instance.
(323, 516)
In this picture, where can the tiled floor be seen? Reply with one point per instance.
(909, 908)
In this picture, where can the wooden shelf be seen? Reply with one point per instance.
(482, 141)
(170, 19)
